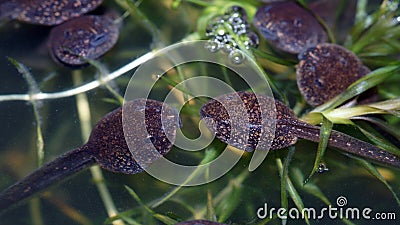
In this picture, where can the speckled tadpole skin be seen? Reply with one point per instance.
(288, 128)
(327, 70)
(45, 12)
(199, 222)
(106, 147)
(288, 27)
(87, 37)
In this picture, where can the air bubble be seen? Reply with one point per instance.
(212, 45)
(322, 168)
(237, 11)
(236, 56)
(155, 76)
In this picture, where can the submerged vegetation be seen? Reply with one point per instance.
(64, 104)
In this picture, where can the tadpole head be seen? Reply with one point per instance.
(327, 70)
(129, 133)
(249, 121)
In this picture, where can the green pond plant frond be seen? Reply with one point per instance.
(138, 15)
(369, 30)
(284, 176)
(325, 133)
(225, 192)
(84, 114)
(344, 115)
(312, 189)
(165, 219)
(210, 154)
(36, 105)
(380, 123)
(290, 188)
(110, 85)
(375, 173)
(372, 79)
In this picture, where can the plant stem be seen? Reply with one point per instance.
(85, 121)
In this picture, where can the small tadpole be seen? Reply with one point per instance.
(288, 27)
(90, 36)
(316, 83)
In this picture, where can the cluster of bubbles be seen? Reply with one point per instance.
(221, 29)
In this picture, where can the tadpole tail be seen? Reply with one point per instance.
(50, 173)
(348, 144)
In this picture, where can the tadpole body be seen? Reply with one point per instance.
(287, 127)
(327, 70)
(81, 38)
(288, 27)
(106, 146)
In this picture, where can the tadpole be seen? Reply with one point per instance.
(288, 128)
(325, 71)
(288, 27)
(107, 147)
(85, 37)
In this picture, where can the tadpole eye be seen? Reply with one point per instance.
(99, 39)
(67, 33)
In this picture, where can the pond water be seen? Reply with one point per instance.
(234, 198)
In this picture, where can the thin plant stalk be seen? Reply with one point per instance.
(85, 121)
(34, 204)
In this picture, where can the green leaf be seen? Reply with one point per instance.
(165, 219)
(382, 124)
(370, 80)
(324, 135)
(226, 207)
(291, 191)
(372, 169)
(273, 58)
(310, 187)
(211, 154)
(382, 143)
(284, 177)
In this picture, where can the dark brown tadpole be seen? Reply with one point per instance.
(288, 27)
(106, 147)
(45, 12)
(85, 37)
(199, 222)
(287, 127)
(325, 71)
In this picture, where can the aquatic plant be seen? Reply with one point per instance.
(63, 105)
